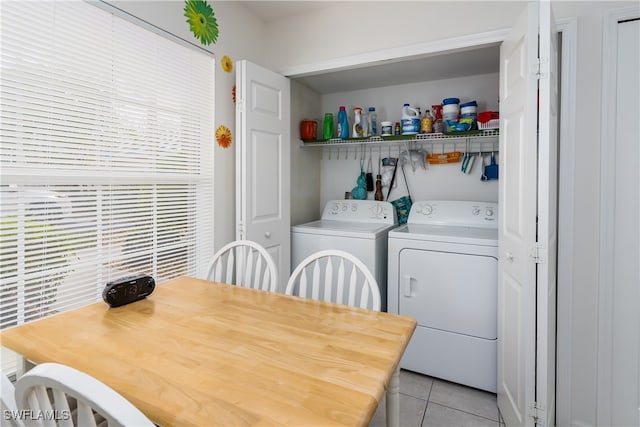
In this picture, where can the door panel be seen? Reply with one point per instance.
(266, 100)
(454, 357)
(624, 344)
(517, 221)
(263, 162)
(510, 369)
(266, 149)
(438, 293)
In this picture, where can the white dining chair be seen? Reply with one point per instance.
(8, 404)
(74, 398)
(349, 282)
(244, 263)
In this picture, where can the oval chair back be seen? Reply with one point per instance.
(78, 399)
(8, 404)
(335, 276)
(244, 263)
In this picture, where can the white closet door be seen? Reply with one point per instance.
(263, 162)
(527, 183)
(516, 228)
(625, 331)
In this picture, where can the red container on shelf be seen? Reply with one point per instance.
(309, 130)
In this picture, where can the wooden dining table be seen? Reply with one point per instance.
(200, 353)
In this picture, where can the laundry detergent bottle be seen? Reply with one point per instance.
(327, 126)
(410, 122)
(373, 121)
(343, 123)
(357, 123)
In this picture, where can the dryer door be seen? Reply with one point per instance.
(454, 292)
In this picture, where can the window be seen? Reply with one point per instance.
(106, 155)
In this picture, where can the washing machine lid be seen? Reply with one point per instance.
(361, 230)
(446, 233)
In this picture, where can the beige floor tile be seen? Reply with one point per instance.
(467, 399)
(441, 416)
(411, 412)
(449, 404)
(415, 384)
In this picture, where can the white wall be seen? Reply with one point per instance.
(305, 163)
(354, 27)
(241, 36)
(390, 99)
(434, 182)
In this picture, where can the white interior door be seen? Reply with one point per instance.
(527, 183)
(263, 115)
(619, 294)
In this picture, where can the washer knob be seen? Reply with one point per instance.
(489, 212)
(427, 210)
(475, 211)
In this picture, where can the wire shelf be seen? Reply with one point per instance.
(472, 136)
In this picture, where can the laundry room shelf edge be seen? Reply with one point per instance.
(471, 136)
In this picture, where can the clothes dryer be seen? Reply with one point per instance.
(359, 227)
(443, 267)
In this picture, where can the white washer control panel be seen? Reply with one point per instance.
(455, 213)
(360, 211)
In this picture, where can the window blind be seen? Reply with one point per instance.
(106, 156)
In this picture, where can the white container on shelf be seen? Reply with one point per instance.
(468, 110)
(386, 128)
(450, 108)
(410, 120)
(491, 124)
(450, 112)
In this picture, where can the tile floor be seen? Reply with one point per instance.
(430, 402)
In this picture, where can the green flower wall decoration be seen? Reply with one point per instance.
(202, 21)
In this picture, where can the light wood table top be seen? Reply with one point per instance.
(198, 353)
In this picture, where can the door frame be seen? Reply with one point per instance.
(568, 27)
(607, 202)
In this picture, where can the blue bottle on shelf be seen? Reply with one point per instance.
(343, 123)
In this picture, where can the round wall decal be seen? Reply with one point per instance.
(223, 136)
(202, 21)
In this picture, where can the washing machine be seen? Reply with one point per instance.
(443, 271)
(359, 227)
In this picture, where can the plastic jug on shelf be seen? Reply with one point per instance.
(343, 123)
(357, 123)
(327, 126)
(410, 120)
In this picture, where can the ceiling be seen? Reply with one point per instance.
(439, 66)
(482, 60)
(269, 11)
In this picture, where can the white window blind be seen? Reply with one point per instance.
(106, 134)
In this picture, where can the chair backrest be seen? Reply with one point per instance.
(349, 282)
(244, 263)
(73, 397)
(8, 404)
